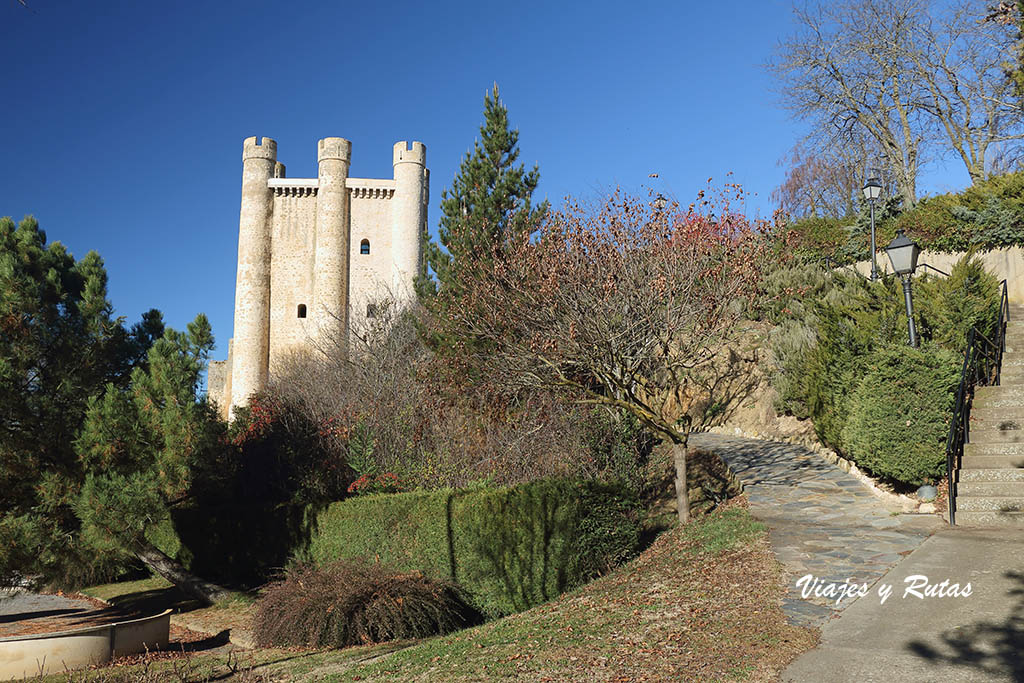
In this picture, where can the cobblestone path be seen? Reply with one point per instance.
(822, 521)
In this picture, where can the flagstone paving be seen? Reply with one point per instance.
(821, 520)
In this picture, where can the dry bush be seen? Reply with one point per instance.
(387, 404)
(354, 603)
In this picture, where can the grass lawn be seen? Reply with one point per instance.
(700, 604)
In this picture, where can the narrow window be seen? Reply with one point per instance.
(371, 311)
(364, 247)
(302, 310)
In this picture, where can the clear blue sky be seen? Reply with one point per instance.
(123, 122)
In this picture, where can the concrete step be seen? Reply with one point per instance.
(990, 503)
(988, 435)
(1013, 489)
(1012, 376)
(1000, 448)
(1006, 395)
(979, 518)
(986, 414)
(995, 406)
(992, 462)
(1012, 373)
(1007, 387)
(988, 476)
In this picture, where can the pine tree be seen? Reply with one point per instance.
(488, 203)
(59, 345)
(142, 448)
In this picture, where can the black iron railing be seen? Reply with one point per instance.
(983, 363)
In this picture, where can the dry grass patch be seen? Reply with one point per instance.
(702, 603)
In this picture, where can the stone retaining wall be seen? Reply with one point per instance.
(23, 657)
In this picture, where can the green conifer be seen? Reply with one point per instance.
(488, 203)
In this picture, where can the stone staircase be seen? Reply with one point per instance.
(990, 481)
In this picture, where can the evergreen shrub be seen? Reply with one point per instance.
(986, 215)
(509, 548)
(828, 331)
(250, 508)
(900, 411)
(950, 306)
(848, 323)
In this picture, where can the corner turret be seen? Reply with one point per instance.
(408, 216)
(252, 286)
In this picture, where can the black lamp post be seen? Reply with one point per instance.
(872, 191)
(903, 255)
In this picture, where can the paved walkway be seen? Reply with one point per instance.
(822, 521)
(972, 638)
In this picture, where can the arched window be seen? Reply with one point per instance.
(364, 247)
(371, 311)
(302, 310)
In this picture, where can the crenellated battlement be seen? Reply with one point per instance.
(259, 148)
(334, 148)
(417, 154)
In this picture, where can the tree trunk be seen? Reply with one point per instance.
(172, 570)
(679, 453)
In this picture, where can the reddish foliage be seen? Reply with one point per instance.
(379, 483)
(628, 304)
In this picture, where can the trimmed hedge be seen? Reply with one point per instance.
(509, 548)
(900, 413)
(988, 215)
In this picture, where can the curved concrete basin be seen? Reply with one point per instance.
(44, 653)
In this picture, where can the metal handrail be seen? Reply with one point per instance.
(983, 363)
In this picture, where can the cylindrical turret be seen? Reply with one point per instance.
(408, 216)
(252, 285)
(330, 284)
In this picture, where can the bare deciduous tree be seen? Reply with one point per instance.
(960, 59)
(910, 76)
(845, 72)
(827, 181)
(629, 305)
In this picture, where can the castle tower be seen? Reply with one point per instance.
(330, 280)
(251, 345)
(315, 257)
(408, 215)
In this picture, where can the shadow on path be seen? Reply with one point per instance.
(990, 648)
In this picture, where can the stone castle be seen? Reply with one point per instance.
(314, 254)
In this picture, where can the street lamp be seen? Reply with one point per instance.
(903, 255)
(872, 191)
